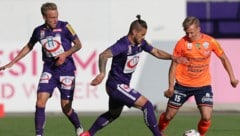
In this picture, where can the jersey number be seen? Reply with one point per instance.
(177, 98)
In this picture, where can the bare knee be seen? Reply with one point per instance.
(168, 117)
(67, 108)
(141, 101)
(42, 99)
(206, 118)
(206, 113)
(170, 113)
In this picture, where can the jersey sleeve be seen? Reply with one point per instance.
(70, 33)
(34, 37)
(217, 49)
(147, 46)
(178, 48)
(118, 48)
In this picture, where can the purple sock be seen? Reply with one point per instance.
(73, 117)
(102, 121)
(150, 119)
(39, 120)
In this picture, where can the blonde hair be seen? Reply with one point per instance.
(48, 6)
(190, 21)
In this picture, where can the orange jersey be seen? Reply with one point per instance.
(196, 73)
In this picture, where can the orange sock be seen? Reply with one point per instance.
(203, 127)
(163, 123)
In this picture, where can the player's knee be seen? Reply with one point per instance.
(67, 109)
(168, 116)
(115, 114)
(206, 118)
(40, 104)
(147, 104)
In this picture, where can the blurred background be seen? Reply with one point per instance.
(99, 24)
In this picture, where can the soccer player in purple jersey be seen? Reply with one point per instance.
(125, 54)
(56, 38)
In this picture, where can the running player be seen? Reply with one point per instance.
(56, 38)
(193, 78)
(125, 54)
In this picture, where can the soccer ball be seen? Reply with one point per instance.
(191, 132)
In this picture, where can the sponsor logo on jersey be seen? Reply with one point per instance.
(42, 34)
(206, 45)
(57, 30)
(131, 63)
(52, 45)
(129, 50)
(189, 46)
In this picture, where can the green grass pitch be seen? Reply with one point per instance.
(223, 124)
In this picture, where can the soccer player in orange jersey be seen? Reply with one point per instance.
(193, 78)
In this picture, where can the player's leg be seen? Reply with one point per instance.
(66, 87)
(40, 118)
(204, 99)
(131, 97)
(174, 104)
(115, 107)
(115, 110)
(45, 89)
(149, 116)
(71, 115)
(205, 121)
(166, 117)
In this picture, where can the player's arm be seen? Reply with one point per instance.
(171, 79)
(62, 57)
(166, 56)
(102, 63)
(76, 41)
(24, 51)
(71, 34)
(77, 46)
(228, 67)
(161, 54)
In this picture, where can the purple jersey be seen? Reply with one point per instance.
(54, 42)
(125, 59)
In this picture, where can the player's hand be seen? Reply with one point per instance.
(60, 59)
(168, 93)
(9, 65)
(234, 83)
(98, 79)
(181, 60)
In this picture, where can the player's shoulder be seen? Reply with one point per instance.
(121, 44)
(39, 28)
(62, 23)
(181, 41)
(207, 37)
(123, 41)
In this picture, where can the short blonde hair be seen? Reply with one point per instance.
(190, 21)
(48, 6)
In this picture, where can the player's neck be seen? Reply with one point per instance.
(131, 39)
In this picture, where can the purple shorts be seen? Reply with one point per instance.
(65, 82)
(121, 94)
